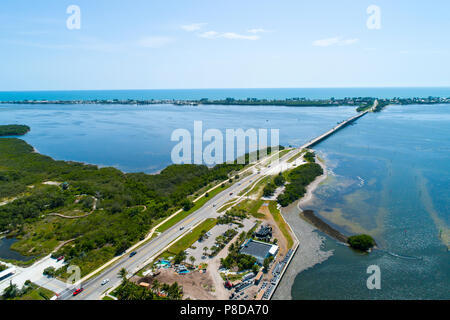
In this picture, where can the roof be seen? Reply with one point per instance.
(257, 249)
(273, 250)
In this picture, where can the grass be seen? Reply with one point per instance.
(252, 206)
(227, 205)
(189, 239)
(282, 225)
(197, 205)
(37, 294)
(295, 157)
(257, 189)
(107, 298)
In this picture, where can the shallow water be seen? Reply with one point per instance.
(391, 174)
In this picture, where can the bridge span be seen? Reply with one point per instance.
(338, 127)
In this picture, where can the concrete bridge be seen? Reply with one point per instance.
(338, 127)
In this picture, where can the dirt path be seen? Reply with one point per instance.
(276, 232)
(94, 207)
(221, 293)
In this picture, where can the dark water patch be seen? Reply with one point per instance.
(8, 254)
(309, 216)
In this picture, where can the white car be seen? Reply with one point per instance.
(181, 228)
(105, 282)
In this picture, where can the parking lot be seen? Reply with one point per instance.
(210, 240)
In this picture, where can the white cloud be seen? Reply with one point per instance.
(155, 42)
(193, 27)
(334, 41)
(232, 35)
(209, 34)
(227, 35)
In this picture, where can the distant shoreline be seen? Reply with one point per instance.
(358, 102)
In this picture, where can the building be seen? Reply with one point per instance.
(7, 273)
(264, 233)
(259, 250)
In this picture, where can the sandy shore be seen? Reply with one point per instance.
(310, 251)
(312, 187)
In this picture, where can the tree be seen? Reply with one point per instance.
(123, 274)
(267, 262)
(279, 180)
(187, 204)
(49, 272)
(155, 285)
(175, 292)
(362, 242)
(180, 257)
(11, 291)
(205, 250)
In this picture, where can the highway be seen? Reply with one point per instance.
(93, 288)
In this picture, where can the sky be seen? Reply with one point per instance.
(142, 44)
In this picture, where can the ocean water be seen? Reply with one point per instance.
(391, 179)
(196, 94)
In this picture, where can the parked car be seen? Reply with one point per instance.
(60, 258)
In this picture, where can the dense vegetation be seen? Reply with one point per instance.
(131, 291)
(272, 185)
(29, 291)
(299, 179)
(127, 206)
(236, 260)
(13, 130)
(309, 157)
(362, 242)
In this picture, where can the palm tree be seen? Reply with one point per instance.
(192, 258)
(155, 285)
(205, 250)
(123, 273)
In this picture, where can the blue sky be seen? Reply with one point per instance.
(222, 44)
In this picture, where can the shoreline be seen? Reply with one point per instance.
(309, 252)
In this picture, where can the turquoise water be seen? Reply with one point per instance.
(274, 93)
(138, 138)
(391, 180)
